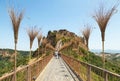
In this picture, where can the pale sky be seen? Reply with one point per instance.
(58, 14)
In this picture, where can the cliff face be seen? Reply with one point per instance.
(66, 37)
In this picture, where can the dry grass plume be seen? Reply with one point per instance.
(32, 33)
(86, 34)
(102, 17)
(16, 18)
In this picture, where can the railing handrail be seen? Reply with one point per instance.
(18, 70)
(7, 75)
(93, 66)
(115, 74)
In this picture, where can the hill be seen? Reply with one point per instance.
(66, 37)
(115, 58)
(7, 60)
(112, 57)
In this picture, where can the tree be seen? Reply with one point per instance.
(32, 33)
(102, 17)
(86, 34)
(16, 18)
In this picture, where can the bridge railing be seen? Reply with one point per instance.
(29, 72)
(88, 72)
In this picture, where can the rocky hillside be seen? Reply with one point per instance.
(66, 37)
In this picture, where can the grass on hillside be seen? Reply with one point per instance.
(90, 57)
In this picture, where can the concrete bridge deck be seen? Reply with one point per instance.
(57, 70)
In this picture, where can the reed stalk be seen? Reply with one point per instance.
(16, 18)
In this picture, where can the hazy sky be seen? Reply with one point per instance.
(58, 14)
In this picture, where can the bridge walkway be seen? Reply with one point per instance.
(57, 70)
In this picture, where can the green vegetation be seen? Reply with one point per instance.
(5, 65)
(90, 57)
(22, 58)
(115, 58)
(52, 38)
(7, 61)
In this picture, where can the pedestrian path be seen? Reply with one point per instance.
(57, 70)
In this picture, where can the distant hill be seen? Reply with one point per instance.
(9, 52)
(111, 55)
(107, 51)
(7, 60)
(115, 58)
